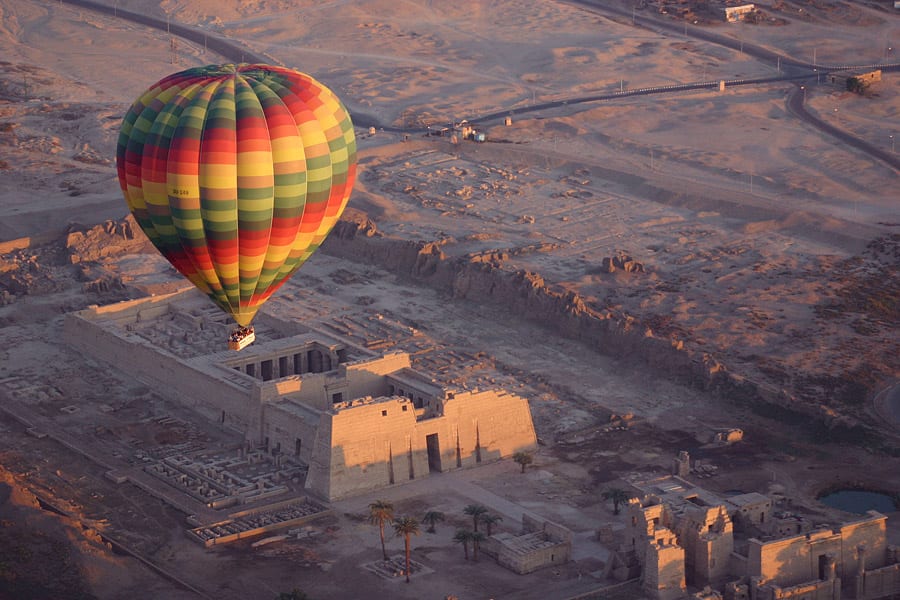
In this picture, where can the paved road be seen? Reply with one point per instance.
(797, 107)
(228, 48)
(794, 70)
(764, 54)
(887, 405)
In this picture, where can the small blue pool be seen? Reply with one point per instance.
(859, 501)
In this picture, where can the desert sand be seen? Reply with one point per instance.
(765, 254)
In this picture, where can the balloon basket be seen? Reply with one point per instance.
(241, 337)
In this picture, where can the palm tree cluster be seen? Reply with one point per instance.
(479, 514)
(381, 512)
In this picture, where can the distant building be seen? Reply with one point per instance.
(734, 14)
(682, 535)
(866, 78)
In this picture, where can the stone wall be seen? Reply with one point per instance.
(663, 571)
(870, 533)
(796, 560)
(541, 544)
(812, 590)
(707, 537)
(205, 392)
(879, 583)
(371, 443)
(351, 446)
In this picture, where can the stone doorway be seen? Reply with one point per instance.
(434, 453)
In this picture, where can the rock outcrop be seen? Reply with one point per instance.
(485, 278)
(111, 238)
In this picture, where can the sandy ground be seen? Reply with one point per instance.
(752, 229)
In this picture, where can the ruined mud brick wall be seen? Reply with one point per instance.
(255, 522)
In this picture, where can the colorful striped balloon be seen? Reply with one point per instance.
(237, 173)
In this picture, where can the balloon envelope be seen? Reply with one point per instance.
(237, 173)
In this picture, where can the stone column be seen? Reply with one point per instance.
(861, 571)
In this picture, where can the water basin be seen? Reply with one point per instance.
(859, 501)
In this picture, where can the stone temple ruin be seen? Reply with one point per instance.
(540, 544)
(310, 404)
(678, 535)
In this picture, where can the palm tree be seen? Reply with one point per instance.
(477, 538)
(618, 496)
(381, 512)
(523, 458)
(406, 526)
(463, 536)
(432, 517)
(490, 520)
(475, 511)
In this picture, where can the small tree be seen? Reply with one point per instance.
(475, 511)
(432, 517)
(523, 458)
(618, 496)
(381, 512)
(477, 538)
(857, 85)
(405, 527)
(463, 536)
(490, 520)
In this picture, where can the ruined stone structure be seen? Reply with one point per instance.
(359, 421)
(681, 465)
(733, 14)
(542, 543)
(684, 536)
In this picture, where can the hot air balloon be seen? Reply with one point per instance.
(237, 173)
